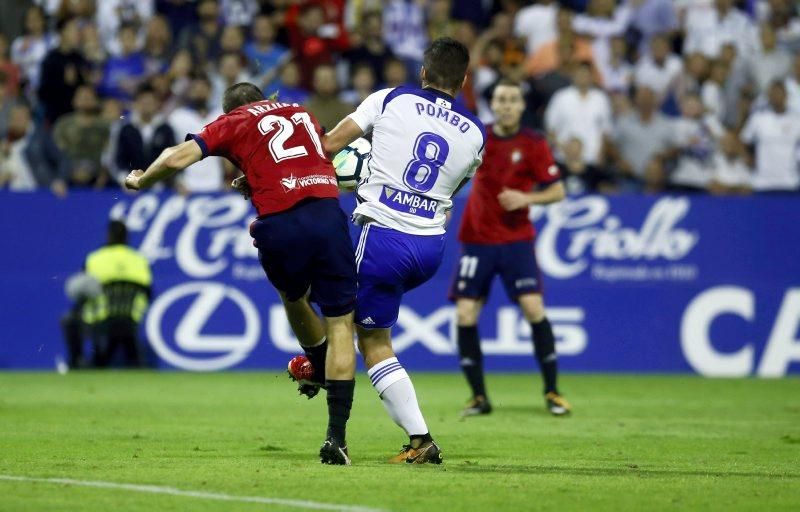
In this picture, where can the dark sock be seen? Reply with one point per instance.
(340, 400)
(416, 441)
(469, 349)
(544, 343)
(316, 355)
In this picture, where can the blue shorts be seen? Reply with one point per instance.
(391, 263)
(309, 247)
(514, 262)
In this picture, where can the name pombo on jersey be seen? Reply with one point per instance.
(445, 114)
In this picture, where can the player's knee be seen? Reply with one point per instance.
(467, 312)
(532, 307)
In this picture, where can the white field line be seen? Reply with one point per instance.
(172, 491)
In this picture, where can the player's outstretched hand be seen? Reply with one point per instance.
(132, 180)
(512, 200)
(241, 186)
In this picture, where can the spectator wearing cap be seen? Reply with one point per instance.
(63, 71)
(773, 135)
(82, 135)
(29, 159)
(123, 74)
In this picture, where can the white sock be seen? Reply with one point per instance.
(394, 386)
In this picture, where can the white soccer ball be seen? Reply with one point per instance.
(351, 164)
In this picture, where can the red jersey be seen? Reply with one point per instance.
(278, 147)
(520, 162)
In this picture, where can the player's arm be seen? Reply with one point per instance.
(343, 134)
(511, 199)
(170, 161)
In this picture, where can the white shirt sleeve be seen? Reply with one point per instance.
(748, 135)
(370, 109)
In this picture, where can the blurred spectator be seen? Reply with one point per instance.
(63, 71)
(197, 111)
(651, 18)
(143, 135)
(180, 69)
(80, 288)
(9, 69)
(123, 74)
(616, 71)
(157, 46)
(84, 10)
(127, 282)
(581, 111)
(29, 159)
(792, 84)
(567, 48)
(771, 62)
(238, 12)
(92, 48)
(404, 30)
(179, 13)
(660, 70)
(232, 39)
(112, 14)
(695, 140)
(695, 72)
(82, 136)
(440, 24)
(29, 50)
(395, 72)
(11, 17)
(363, 84)
(309, 42)
(639, 137)
(537, 24)
(230, 71)
(265, 57)
(774, 135)
(372, 49)
(202, 37)
(7, 102)
(603, 20)
(729, 171)
(324, 102)
(708, 29)
(288, 85)
(580, 177)
(712, 91)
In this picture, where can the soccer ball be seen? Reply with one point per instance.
(351, 164)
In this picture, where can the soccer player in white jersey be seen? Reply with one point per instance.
(424, 148)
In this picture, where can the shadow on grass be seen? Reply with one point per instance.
(470, 467)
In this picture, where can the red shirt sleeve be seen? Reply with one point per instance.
(213, 138)
(545, 170)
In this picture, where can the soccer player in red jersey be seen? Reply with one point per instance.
(518, 171)
(301, 232)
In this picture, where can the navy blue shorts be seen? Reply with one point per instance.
(391, 263)
(514, 262)
(309, 247)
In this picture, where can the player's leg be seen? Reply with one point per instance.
(310, 332)
(391, 263)
(470, 287)
(522, 280)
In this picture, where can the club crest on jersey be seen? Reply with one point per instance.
(408, 202)
(289, 183)
(516, 156)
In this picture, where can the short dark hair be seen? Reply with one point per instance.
(144, 88)
(446, 62)
(117, 232)
(240, 94)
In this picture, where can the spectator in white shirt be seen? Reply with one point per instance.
(729, 171)
(580, 111)
(695, 140)
(537, 24)
(206, 175)
(616, 71)
(708, 29)
(771, 62)
(661, 69)
(29, 50)
(603, 20)
(792, 84)
(775, 135)
(111, 14)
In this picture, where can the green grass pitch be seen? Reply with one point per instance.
(634, 443)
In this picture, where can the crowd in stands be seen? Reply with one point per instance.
(634, 95)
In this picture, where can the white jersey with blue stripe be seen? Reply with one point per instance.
(423, 146)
